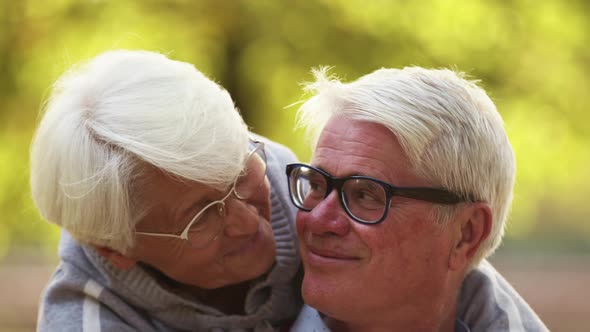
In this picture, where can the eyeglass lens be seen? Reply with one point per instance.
(363, 199)
(208, 225)
(252, 177)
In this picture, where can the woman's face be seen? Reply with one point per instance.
(241, 248)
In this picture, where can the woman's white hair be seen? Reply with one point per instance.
(448, 127)
(113, 117)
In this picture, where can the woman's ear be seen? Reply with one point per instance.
(473, 227)
(118, 260)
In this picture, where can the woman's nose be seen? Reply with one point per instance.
(241, 218)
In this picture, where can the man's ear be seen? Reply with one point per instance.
(473, 227)
(116, 258)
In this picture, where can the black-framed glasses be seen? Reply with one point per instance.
(208, 223)
(366, 200)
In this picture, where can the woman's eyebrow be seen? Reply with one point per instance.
(183, 215)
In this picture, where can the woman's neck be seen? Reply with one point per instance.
(229, 299)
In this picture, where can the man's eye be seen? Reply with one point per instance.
(367, 196)
(316, 188)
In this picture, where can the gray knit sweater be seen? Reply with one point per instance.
(487, 303)
(87, 293)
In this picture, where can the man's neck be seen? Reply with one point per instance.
(340, 326)
(442, 320)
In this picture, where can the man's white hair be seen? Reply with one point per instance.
(448, 127)
(111, 118)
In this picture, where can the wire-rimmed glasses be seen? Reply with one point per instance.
(366, 200)
(208, 223)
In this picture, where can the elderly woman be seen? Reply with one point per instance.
(164, 204)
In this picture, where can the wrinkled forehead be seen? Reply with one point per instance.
(153, 189)
(353, 147)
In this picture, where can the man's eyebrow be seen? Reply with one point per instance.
(347, 175)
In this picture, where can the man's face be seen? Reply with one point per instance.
(395, 270)
(243, 250)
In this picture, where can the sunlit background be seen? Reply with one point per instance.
(531, 56)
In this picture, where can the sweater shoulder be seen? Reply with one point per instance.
(74, 301)
(488, 302)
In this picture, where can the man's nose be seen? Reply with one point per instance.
(241, 218)
(328, 217)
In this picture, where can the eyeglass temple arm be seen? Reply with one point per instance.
(160, 235)
(432, 195)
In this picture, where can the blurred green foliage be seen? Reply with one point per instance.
(531, 56)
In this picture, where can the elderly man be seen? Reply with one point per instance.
(407, 193)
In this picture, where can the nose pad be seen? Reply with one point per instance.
(328, 217)
(221, 209)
